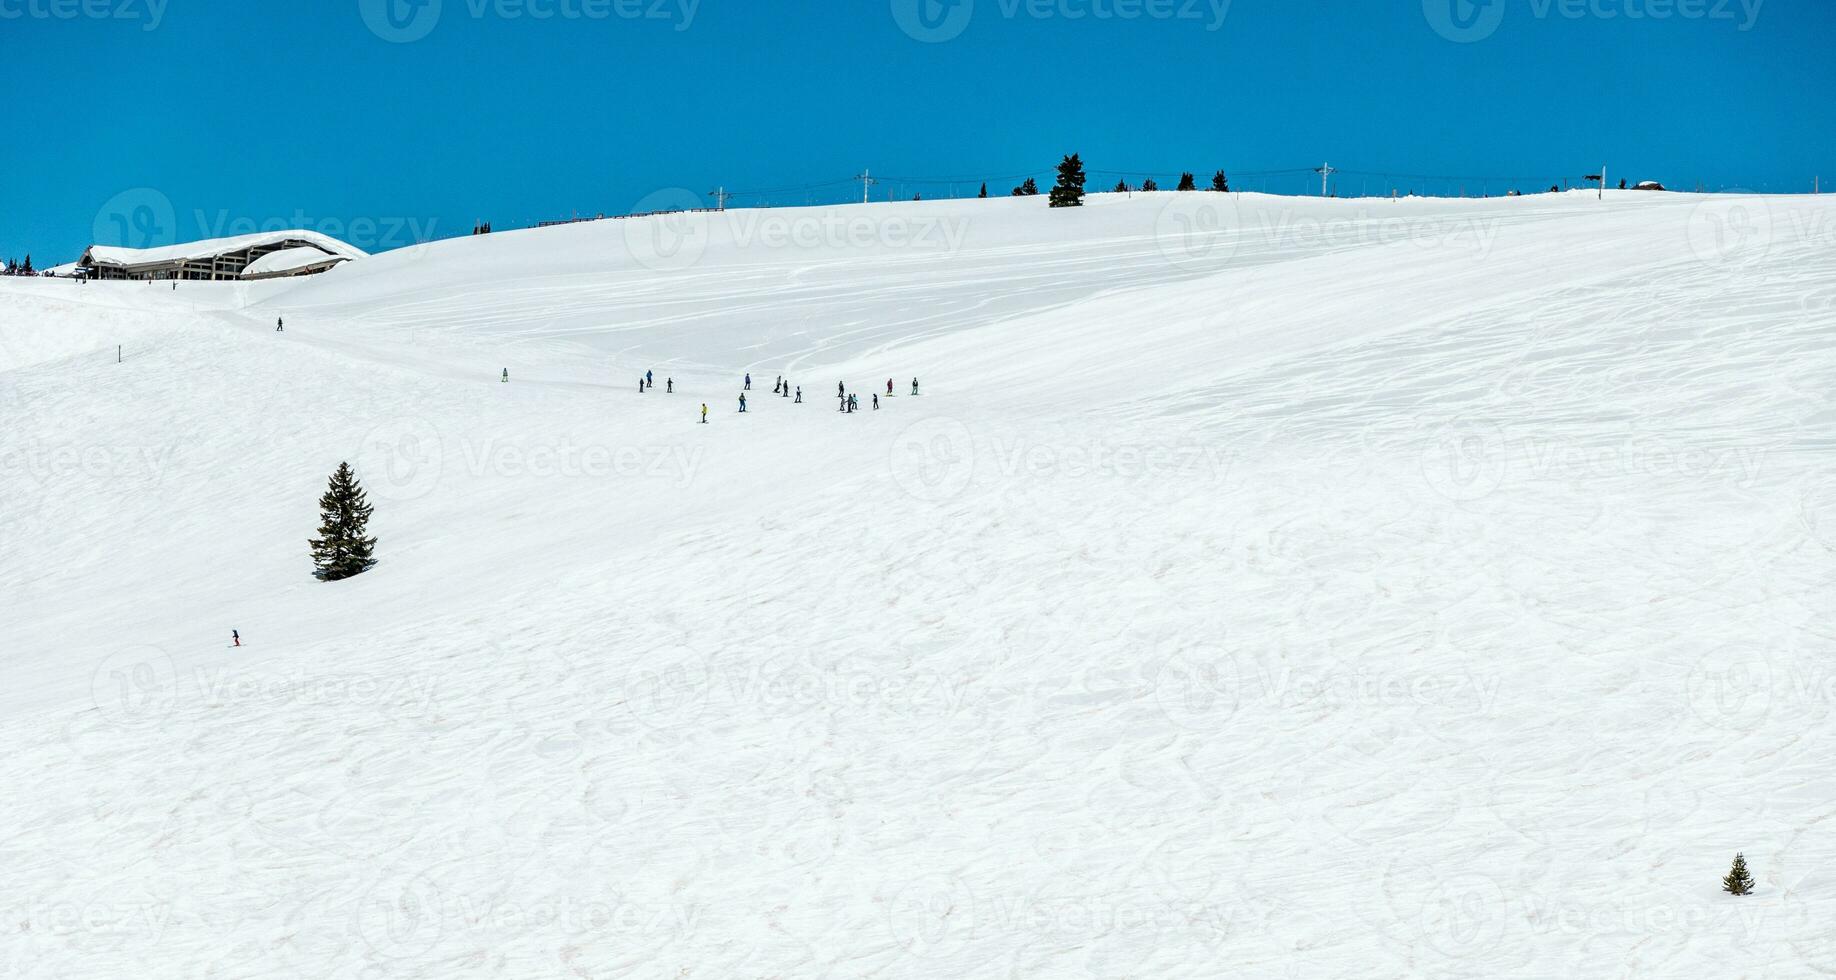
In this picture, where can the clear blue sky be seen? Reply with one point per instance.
(248, 113)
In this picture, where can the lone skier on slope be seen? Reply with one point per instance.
(889, 387)
(669, 386)
(742, 401)
(280, 325)
(704, 413)
(748, 380)
(799, 400)
(876, 402)
(914, 386)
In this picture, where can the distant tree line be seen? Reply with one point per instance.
(1068, 191)
(14, 268)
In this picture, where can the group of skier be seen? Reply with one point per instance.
(782, 388)
(845, 401)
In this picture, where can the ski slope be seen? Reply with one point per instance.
(1259, 587)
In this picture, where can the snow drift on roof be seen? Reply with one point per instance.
(115, 255)
(288, 260)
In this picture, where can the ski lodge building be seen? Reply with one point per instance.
(265, 255)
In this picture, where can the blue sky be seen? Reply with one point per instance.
(391, 121)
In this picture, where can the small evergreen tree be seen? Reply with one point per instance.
(26, 270)
(1121, 187)
(1148, 185)
(1622, 186)
(1186, 183)
(1069, 191)
(1220, 183)
(1028, 189)
(341, 550)
(1738, 881)
(984, 192)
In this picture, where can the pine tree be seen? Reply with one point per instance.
(26, 270)
(1738, 881)
(341, 550)
(1027, 189)
(984, 192)
(1069, 191)
(1186, 183)
(1121, 187)
(1148, 185)
(1220, 183)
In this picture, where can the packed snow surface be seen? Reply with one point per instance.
(1257, 587)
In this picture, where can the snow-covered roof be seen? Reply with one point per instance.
(115, 255)
(67, 269)
(288, 260)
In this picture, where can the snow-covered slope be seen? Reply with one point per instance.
(1259, 587)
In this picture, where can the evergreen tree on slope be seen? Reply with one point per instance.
(1069, 191)
(341, 550)
(1738, 881)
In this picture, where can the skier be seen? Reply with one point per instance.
(235, 638)
(669, 386)
(914, 386)
(748, 380)
(640, 384)
(650, 379)
(704, 413)
(506, 375)
(742, 401)
(799, 400)
(841, 403)
(876, 402)
(280, 325)
(889, 387)
(840, 389)
(786, 392)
